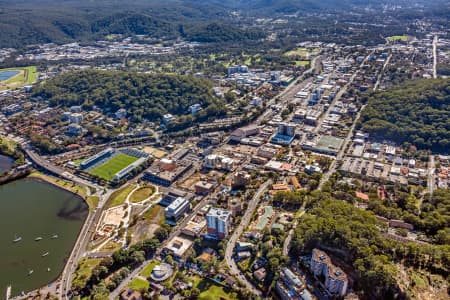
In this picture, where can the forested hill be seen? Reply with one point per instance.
(143, 95)
(28, 23)
(416, 112)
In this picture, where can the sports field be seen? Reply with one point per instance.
(24, 76)
(112, 166)
(394, 38)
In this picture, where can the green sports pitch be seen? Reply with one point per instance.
(108, 169)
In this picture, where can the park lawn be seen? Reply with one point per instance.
(84, 270)
(142, 193)
(209, 290)
(155, 215)
(113, 165)
(147, 271)
(118, 197)
(111, 246)
(298, 52)
(302, 63)
(92, 201)
(137, 284)
(402, 38)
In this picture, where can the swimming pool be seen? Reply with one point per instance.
(8, 74)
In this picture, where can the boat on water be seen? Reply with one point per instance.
(45, 254)
(48, 270)
(38, 238)
(55, 236)
(30, 272)
(8, 292)
(17, 239)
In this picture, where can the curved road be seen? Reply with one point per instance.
(237, 233)
(79, 249)
(288, 239)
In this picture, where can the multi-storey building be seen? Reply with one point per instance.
(176, 210)
(218, 222)
(336, 280)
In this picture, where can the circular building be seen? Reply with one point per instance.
(161, 272)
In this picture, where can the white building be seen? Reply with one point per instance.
(218, 222)
(76, 118)
(168, 118)
(195, 108)
(214, 161)
(176, 210)
(121, 113)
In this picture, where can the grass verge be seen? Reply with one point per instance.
(119, 196)
(137, 284)
(142, 193)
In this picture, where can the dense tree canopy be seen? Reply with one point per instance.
(142, 95)
(355, 236)
(416, 112)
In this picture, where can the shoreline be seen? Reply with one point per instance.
(42, 178)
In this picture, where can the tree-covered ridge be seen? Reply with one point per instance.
(142, 95)
(416, 112)
(29, 23)
(216, 32)
(355, 236)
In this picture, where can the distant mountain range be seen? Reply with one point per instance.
(25, 22)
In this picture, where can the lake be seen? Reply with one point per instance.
(5, 75)
(30, 208)
(6, 163)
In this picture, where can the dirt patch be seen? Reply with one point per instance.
(142, 231)
(190, 182)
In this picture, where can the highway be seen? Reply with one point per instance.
(80, 246)
(237, 233)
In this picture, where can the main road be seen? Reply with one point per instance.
(288, 239)
(237, 233)
(80, 246)
(54, 169)
(435, 41)
(347, 140)
(289, 92)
